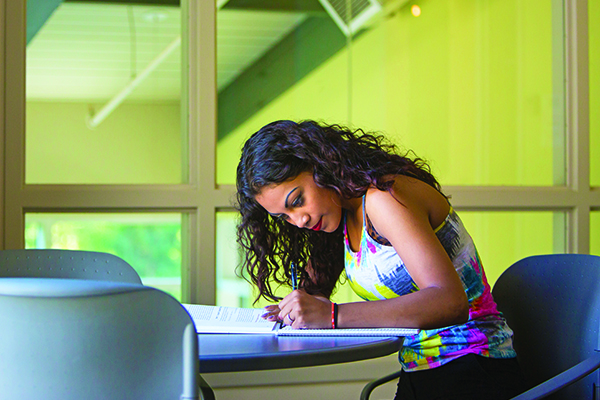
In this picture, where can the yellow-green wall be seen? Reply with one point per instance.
(467, 85)
(136, 144)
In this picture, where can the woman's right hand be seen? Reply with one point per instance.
(302, 310)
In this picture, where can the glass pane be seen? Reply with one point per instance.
(150, 243)
(232, 290)
(276, 60)
(502, 238)
(466, 85)
(594, 70)
(595, 232)
(103, 94)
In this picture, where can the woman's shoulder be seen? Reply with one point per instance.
(404, 188)
(409, 194)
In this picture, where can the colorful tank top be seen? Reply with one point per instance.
(376, 272)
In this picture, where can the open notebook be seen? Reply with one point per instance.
(217, 319)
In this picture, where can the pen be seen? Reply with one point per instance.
(294, 277)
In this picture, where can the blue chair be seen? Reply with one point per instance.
(72, 264)
(68, 339)
(552, 303)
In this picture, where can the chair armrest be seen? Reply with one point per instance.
(563, 379)
(366, 392)
(193, 384)
(206, 391)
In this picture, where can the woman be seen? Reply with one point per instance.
(330, 200)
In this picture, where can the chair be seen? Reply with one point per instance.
(73, 339)
(552, 303)
(73, 264)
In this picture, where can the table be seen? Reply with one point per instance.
(238, 352)
(235, 352)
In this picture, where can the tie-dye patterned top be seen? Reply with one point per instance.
(376, 272)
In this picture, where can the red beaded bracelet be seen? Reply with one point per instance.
(334, 312)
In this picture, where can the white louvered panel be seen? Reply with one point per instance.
(351, 15)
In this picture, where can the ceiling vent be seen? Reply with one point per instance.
(351, 15)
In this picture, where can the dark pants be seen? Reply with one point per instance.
(470, 377)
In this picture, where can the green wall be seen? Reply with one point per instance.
(467, 85)
(139, 143)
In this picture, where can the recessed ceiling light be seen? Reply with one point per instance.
(415, 10)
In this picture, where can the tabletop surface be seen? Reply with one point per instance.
(241, 352)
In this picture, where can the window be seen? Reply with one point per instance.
(104, 95)
(150, 243)
(503, 237)
(232, 290)
(507, 137)
(476, 66)
(475, 88)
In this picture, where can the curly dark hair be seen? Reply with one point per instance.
(346, 161)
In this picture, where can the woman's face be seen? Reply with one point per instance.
(302, 203)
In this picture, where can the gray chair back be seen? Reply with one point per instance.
(552, 303)
(71, 264)
(70, 339)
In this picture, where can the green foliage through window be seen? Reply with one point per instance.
(151, 243)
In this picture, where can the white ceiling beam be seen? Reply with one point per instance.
(96, 119)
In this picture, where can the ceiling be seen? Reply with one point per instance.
(93, 51)
(89, 51)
